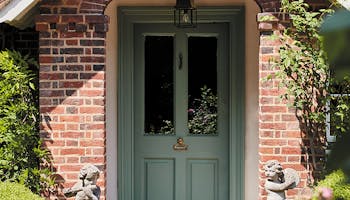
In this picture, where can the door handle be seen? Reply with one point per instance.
(180, 145)
(180, 60)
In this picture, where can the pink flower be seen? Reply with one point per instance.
(326, 193)
(190, 110)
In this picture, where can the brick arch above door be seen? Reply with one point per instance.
(73, 6)
(269, 5)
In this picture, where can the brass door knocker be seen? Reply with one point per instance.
(180, 145)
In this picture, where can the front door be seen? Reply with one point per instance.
(181, 95)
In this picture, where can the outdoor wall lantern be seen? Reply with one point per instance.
(185, 14)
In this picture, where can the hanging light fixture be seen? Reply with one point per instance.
(185, 14)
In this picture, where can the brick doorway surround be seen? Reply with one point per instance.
(72, 42)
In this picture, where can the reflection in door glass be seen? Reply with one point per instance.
(159, 114)
(202, 85)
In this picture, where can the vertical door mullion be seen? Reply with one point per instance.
(181, 71)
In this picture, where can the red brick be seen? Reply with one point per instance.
(70, 168)
(266, 150)
(277, 151)
(91, 110)
(268, 134)
(70, 119)
(71, 84)
(72, 18)
(47, 18)
(72, 42)
(71, 35)
(51, 59)
(91, 93)
(99, 102)
(52, 110)
(72, 176)
(96, 19)
(293, 126)
(273, 126)
(41, 27)
(95, 76)
(98, 84)
(293, 159)
(289, 117)
(72, 2)
(72, 127)
(266, 158)
(270, 92)
(297, 167)
(103, 2)
(72, 143)
(266, 118)
(51, 76)
(74, 159)
(273, 142)
(295, 142)
(92, 59)
(92, 126)
(291, 134)
(92, 159)
(54, 143)
(98, 151)
(72, 151)
(291, 150)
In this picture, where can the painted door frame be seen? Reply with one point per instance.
(127, 17)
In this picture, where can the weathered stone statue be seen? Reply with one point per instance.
(85, 188)
(279, 180)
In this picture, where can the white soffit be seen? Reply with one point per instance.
(19, 13)
(345, 3)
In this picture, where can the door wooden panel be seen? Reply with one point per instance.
(158, 176)
(202, 179)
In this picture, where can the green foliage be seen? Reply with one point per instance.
(203, 115)
(20, 144)
(304, 72)
(303, 63)
(167, 128)
(337, 181)
(340, 107)
(16, 191)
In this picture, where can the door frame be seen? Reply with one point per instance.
(127, 17)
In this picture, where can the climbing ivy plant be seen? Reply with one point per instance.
(305, 74)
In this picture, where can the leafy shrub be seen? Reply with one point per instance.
(203, 115)
(20, 145)
(16, 191)
(337, 181)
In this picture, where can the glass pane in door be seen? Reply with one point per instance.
(159, 113)
(202, 85)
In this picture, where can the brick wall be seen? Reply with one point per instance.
(72, 37)
(280, 135)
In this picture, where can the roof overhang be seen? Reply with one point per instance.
(345, 3)
(19, 13)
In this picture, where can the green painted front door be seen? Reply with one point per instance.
(181, 93)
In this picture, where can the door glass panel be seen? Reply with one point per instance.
(159, 113)
(202, 85)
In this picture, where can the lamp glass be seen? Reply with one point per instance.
(185, 14)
